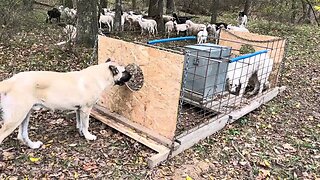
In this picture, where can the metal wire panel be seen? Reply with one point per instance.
(213, 86)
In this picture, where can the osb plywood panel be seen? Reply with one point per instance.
(276, 46)
(155, 105)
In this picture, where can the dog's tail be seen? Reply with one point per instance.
(5, 86)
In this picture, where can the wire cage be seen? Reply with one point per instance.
(190, 91)
(221, 78)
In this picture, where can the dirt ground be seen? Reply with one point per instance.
(280, 140)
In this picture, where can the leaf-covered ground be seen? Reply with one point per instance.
(280, 140)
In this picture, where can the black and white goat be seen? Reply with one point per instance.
(54, 13)
(242, 19)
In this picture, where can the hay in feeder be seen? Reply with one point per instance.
(136, 81)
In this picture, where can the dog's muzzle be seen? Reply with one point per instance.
(125, 78)
(237, 90)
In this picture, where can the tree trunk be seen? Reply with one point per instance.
(304, 12)
(214, 11)
(247, 7)
(313, 12)
(117, 18)
(68, 3)
(146, 2)
(87, 22)
(104, 3)
(28, 4)
(293, 11)
(153, 8)
(156, 11)
(170, 7)
(160, 22)
(134, 4)
(74, 4)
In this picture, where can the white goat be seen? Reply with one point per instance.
(146, 26)
(212, 30)
(169, 27)
(202, 36)
(167, 18)
(106, 10)
(180, 27)
(153, 22)
(70, 31)
(106, 19)
(194, 28)
(123, 20)
(67, 13)
(236, 28)
(132, 19)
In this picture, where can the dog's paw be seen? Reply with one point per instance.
(35, 145)
(90, 137)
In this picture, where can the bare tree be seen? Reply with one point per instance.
(74, 3)
(134, 4)
(247, 6)
(117, 19)
(313, 12)
(170, 7)
(28, 4)
(68, 3)
(160, 16)
(293, 11)
(156, 11)
(214, 11)
(104, 3)
(87, 22)
(153, 8)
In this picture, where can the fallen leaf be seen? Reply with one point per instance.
(267, 163)
(8, 156)
(90, 166)
(310, 118)
(288, 147)
(73, 145)
(76, 175)
(276, 150)
(33, 159)
(188, 178)
(317, 156)
(2, 165)
(263, 174)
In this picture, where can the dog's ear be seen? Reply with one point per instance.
(108, 60)
(114, 70)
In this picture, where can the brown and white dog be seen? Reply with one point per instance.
(77, 90)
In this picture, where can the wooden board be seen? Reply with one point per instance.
(143, 131)
(129, 132)
(155, 105)
(276, 46)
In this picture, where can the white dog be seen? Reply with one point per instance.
(78, 90)
(259, 66)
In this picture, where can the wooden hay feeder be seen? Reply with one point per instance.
(151, 114)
